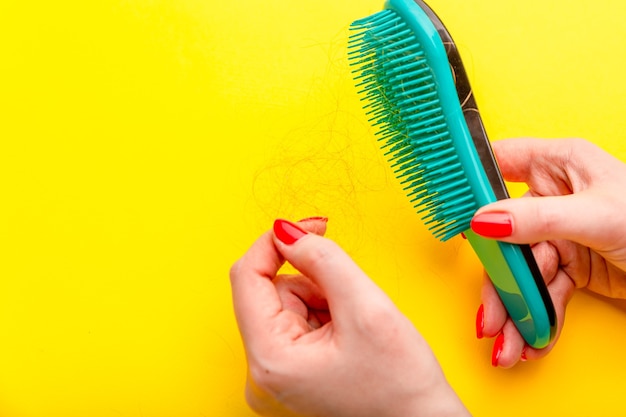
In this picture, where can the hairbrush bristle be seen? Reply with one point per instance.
(403, 102)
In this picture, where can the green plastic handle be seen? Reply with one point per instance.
(510, 274)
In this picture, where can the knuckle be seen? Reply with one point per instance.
(548, 220)
(380, 319)
(578, 147)
(572, 151)
(321, 256)
(579, 144)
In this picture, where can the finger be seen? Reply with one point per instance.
(547, 258)
(349, 291)
(517, 156)
(556, 166)
(254, 296)
(301, 296)
(508, 346)
(315, 224)
(255, 299)
(587, 218)
(494, 313)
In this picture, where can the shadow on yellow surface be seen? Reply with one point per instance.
(145, 144)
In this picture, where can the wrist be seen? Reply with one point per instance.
(443, 402)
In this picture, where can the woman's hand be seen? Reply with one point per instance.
(329, 342)
(575, 222)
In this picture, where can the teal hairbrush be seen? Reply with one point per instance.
(410, 74)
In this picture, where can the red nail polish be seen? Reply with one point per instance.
(497, 350)
(314, 218)
(523, 357)
(494, 224)
(480, 321)
(287, 232)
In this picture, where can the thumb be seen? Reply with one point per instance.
(587, 218)
(348, 290)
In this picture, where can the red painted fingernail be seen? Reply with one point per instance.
(497, 350)
(287, 232)
(480, 321)
(495, 224)
(523, 357)
(314, 218)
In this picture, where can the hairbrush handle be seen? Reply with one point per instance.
(514, 275)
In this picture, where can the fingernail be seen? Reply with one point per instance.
(523, 357)
(287, 232)
(493, 224)
(314, 218)
(497, 350)
(480, 321)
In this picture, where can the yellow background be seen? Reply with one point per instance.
(145, 144)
